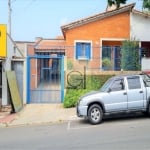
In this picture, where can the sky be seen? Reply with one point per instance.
(44, 18)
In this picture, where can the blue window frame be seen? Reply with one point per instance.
(83, 51)
(112, 53)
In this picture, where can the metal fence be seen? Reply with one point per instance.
(101, 58)
(46, 84)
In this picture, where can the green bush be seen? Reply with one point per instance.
(69, 65)
(106, 63)
(72, 96)
(130, 59)
(93, 82)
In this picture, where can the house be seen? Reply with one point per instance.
(101, 35)
(85, 43)
(88, 41)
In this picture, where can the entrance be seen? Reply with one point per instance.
(45, 79)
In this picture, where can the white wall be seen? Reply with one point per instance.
(6, 65)
(140, 27)
(145, 64)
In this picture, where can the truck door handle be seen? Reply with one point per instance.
(141, 92)
(125, 93)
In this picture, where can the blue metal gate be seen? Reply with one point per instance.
(45, 79)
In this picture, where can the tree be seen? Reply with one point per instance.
(146, 4)
(130, 58)
(116, 2)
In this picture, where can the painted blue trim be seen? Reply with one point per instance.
(62, 79)
(28, 80)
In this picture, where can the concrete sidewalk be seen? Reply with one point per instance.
(33, 114)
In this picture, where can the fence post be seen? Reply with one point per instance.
(84, 77)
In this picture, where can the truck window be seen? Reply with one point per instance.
(146, 79)
(134, 82)
(117, 85)
(106, 85)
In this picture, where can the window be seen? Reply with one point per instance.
(83, 50)
(113, 53)
(106, 58)
(106, 52)
(117, 85)
(146, 79)
(134, 83)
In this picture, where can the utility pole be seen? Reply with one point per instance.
(9, 17)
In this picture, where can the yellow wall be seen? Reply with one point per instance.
(3, 51)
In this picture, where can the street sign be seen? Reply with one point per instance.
(3, 51)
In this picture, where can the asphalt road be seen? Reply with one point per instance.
(128, 133)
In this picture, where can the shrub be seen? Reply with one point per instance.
(106, 64)
(72, 96)
(93, 82)
(69, 65)
(130, 59)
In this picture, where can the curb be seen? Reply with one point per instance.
(7, 125)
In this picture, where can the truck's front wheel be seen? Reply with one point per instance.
(95, 114)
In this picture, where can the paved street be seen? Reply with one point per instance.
(132, 133)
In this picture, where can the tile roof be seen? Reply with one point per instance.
(50, 44)
(97, 17)
(141, 13)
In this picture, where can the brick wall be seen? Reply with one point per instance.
(114, 27)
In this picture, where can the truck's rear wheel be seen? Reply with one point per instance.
(95, 114)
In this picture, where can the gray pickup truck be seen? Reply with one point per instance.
(120, 94)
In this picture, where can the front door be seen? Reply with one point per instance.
(135, 93)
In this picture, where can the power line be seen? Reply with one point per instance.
(31, 2)
(10, 13)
